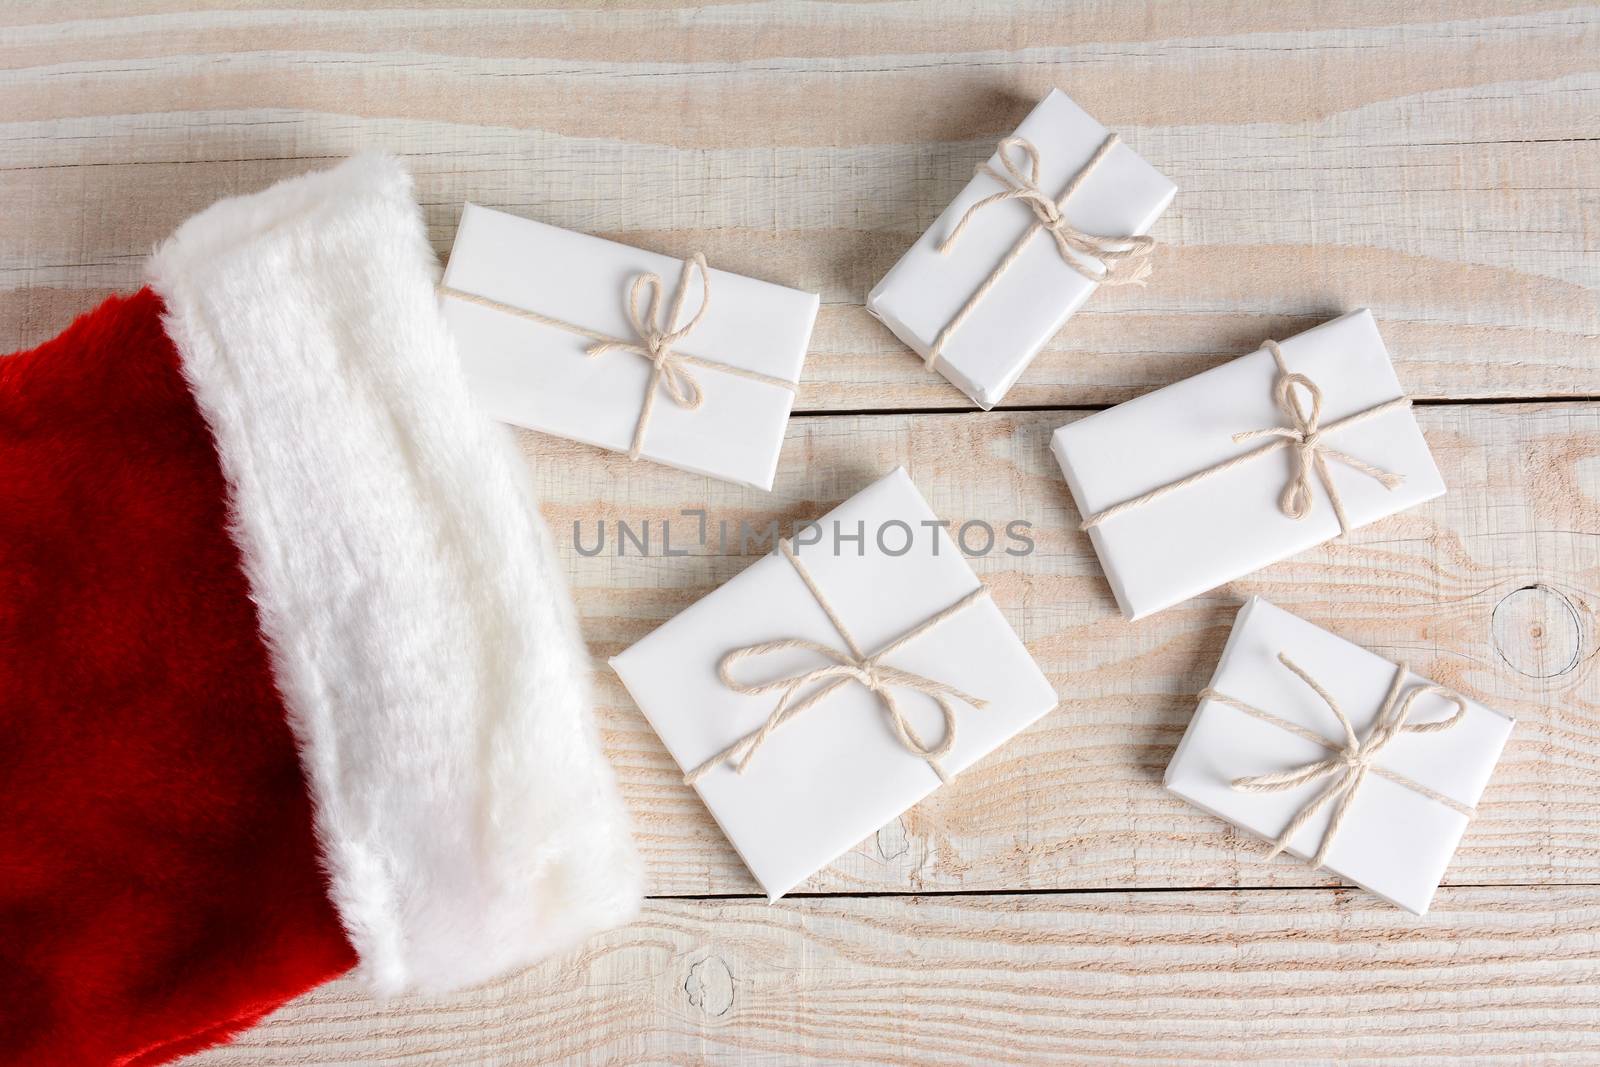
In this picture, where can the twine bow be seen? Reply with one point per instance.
(844, 667)
(1311, 454)
(1122, 260)
(1353, 759)
(1117, 260)
(656, 337)
(1305, 435)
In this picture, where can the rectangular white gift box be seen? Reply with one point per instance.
(1394, 841)
(835, 773)
(1230, 524)
(1038, 292)
(540, 376)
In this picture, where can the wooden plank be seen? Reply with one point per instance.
(1491, 975)
(737, 74)
(1492, 589)
(936, 26)
(1437, 165)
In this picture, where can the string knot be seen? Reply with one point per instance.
(840, 667)
(658, 333)
(1123, 260)
(1352, 759)
(1115, 260)
(1355, 760)
(870, 677)
(1304, 431)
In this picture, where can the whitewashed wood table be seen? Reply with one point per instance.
(1436, 161)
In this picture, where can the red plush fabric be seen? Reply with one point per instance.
(159, 877)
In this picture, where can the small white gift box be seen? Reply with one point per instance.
(1337, 755)
(1218, 475)
(618, 347)
(831, 686)
(1060, 208)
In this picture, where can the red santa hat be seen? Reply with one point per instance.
(289, 679)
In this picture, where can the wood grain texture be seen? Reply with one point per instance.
(1491, 975)
(1438, 163)
(1493, 589)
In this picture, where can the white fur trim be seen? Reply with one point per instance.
(421, 632)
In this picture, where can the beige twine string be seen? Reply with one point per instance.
(1354, 759)
(1106, 260)
(846, 667)
(1304, 434)
(656, 340)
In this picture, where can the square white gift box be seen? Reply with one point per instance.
(1337, 755)
(834, 684)
(614, 346)
(1246, 464)
(1061, 208)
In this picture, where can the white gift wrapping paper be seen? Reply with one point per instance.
(1394, 842)
(539, 376)
(1038, 293)
(1230, 524)
(835, 773)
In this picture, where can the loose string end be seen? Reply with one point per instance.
(725, 756)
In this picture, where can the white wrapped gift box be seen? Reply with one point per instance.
(1035, 295)
(746, 349)
(1406, 816)
(1231, 523)
(836, 772)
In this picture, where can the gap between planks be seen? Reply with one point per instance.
(1430, 401)
(1088, 891)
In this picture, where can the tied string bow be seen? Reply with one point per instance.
(657, 336)
(1353, 759)
(1311, 454)
(1120, 260)
(1305, 434)
(1115, 260)
(844, 666)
